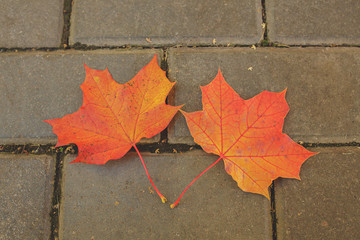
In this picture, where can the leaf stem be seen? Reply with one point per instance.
(177, 201)
(163, 199)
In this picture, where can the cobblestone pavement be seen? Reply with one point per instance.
(309, 47)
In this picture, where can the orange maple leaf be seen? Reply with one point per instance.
(114, 117)
(247, 135)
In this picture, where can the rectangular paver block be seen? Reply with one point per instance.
(25, 196)
(116, 201)
(325, 204)
(322, 86)
(313, 22)
(162, 22)
(40, 86)
(31, 23)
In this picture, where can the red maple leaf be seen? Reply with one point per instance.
(247, 135)
(114, 117)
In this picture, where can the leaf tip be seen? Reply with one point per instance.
(154, 59)
(74, 161)
(219, 74)
(314, 153)
(87, 68)
(172, 206)
(51, 122)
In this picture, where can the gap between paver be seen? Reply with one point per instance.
(84, 47)
(56, 198)
(161, 147)
(265, 35)
(66, 29)
(165, 67)
(273, 211)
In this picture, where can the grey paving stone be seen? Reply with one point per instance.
(40, 86)
(25, 196)
(313, 22)
(119, 22)
(116, 201)
(322, 86)
(31, 23)
(325, 204)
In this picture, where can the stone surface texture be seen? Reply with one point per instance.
(325, 204)
(31, 23)
(150, 22)
(47, 85)
(313, 22)
(25, 196)
(322, 86)
(116, 201)
(43, 46)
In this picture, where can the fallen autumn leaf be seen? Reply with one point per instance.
(114, 117)
(247, 135)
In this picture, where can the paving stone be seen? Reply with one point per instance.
(39, 86)
(325, 204)
(31, 23)
(313, 22)
(119, 22)
(322, 86)
(25, 196)
(116, 201)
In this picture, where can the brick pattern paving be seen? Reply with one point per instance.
(309, 47)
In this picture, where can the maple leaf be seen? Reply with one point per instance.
(247, 135)
(114, 117)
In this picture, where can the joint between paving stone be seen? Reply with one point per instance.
(82, 47)
(273, 211)
(85, 47)
(35, 149)
(56, 198)
(325, 45)
(161, 146)
(15, 50)
(67, 10)
(348, 144)
(264, 22)
(165, 67)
